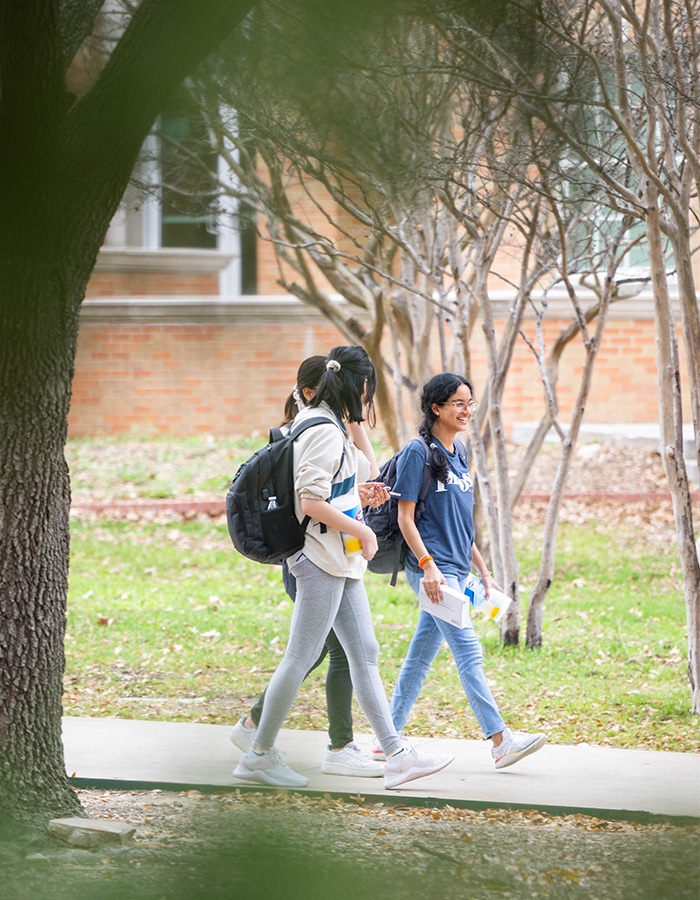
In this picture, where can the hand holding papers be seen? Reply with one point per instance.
(454, 607)
(495, 606)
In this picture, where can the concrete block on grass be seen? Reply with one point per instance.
(92, 832)
(37, 861)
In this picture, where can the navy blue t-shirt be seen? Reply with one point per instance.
(447, 523)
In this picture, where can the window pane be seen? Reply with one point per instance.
(188, 168)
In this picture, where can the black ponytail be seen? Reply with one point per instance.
(348, 384)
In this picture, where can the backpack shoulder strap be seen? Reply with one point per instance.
(427, 474)
(296, 430)
(285, 475)
(294, 434)
(461, 450)
(319, 420)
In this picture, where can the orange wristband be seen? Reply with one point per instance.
(424, 560)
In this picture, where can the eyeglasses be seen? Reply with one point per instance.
(461, 405)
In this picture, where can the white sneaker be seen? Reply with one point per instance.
(350, 760)
(407, 765)
(266, 767)
(516, 745)
(241, 735)
(377, 752)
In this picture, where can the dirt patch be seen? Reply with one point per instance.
(596, 467)
(132, 471)
(617, 481)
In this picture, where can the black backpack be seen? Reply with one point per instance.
(384, 520)
(260, 501)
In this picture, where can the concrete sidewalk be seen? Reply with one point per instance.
(561, 778)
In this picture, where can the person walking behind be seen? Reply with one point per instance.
(343, 756)
(442, 550)
(329, 571)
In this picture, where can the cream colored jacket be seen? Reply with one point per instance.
(317, 456)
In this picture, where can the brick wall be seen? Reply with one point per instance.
(150, 284)
(624, 387)
(232, 377)
(188, 379)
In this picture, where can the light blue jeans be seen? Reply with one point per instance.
(468, 655)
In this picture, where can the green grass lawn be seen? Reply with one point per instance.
(168, 622)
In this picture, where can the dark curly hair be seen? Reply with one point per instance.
(438, 391)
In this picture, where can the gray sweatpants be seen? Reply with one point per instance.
(323, 602)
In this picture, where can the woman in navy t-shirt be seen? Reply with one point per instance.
(442, 551)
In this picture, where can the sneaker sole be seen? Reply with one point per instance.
(374, 771)
(378, 755)
(513, 758)
(413, 774)
(260, 777)
(241, 741)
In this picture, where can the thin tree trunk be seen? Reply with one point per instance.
(531, 454)
(373, 346)
(506, 566)
(671, 421)
(690, 319)
(499, 360)
(484, 498)
(535, 613)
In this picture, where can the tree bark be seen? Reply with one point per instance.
(671, 420)
(37, 346)
(63, 170)
(690, 320)
(506, 566)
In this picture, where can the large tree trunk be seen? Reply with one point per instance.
(37, 346)
(64, 166)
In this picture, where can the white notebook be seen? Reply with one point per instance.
(453, 608)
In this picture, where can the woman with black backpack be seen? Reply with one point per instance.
(343, 756)
(329, 572)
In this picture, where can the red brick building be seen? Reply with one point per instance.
(184, 330)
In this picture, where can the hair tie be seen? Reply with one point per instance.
(333, 365)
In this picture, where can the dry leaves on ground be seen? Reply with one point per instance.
(266, 844)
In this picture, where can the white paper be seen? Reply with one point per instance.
(496, 605)
(453, 608)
